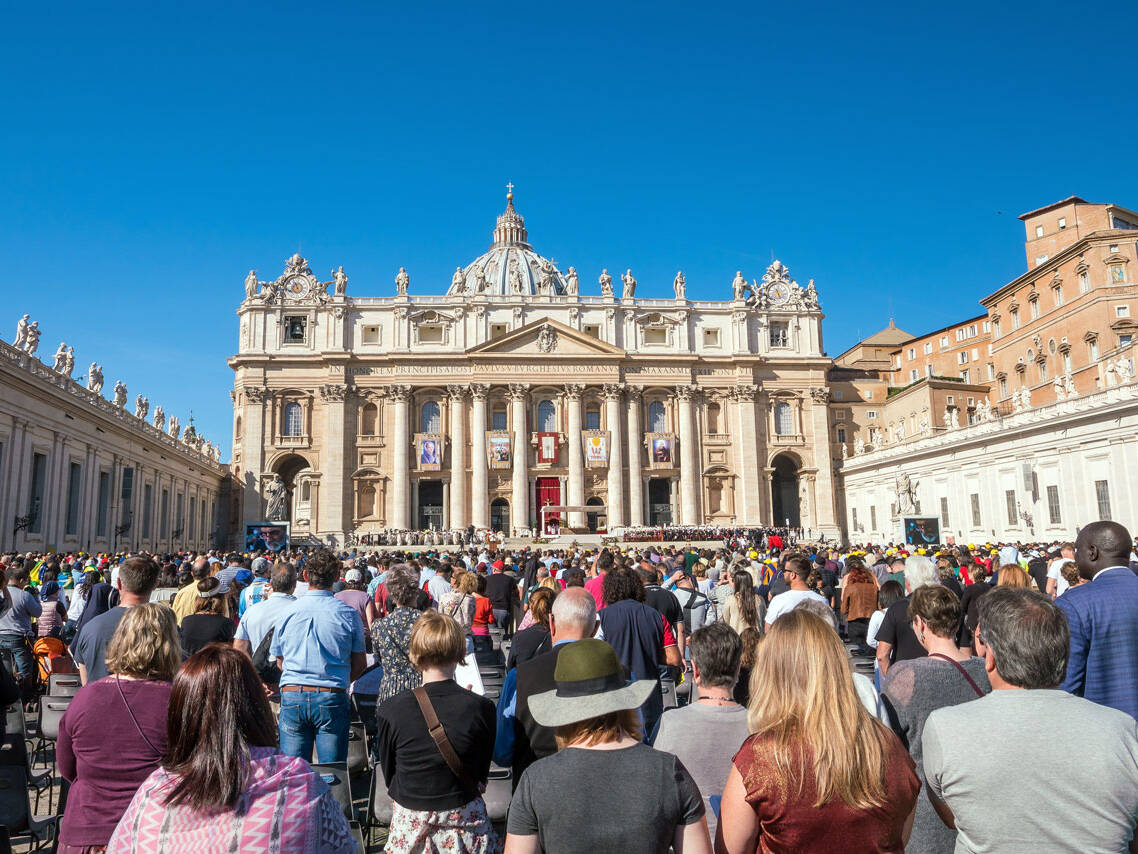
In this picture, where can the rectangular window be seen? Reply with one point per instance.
(497, 330)
(592, 419)
(914, 375)
(1015, 319)
(995, 329)
(873, 518)
(295, 330)
(1053, 505)
(39, 483)
(1122, 311)
(655, 336)
(943, 341)
(780, 334)
(498, 419)
(1003, 388)
(853, 522)
(591, 329)
(203, 520)
(126, 493)
(1102, 495)
(1038, 231)
(1062, 222)
(944, 511)
(1013, 513)
(1092, 348)
(965, 376)
(974, 499)
(711, 338)
(871, 413)
(103, 508)
(1084, 283)
(371, 335)
(190, 530)
(912, 353)
(1058, 295)
(431, 334)
(179, 518)
(928, 347)
(1043, 371)
(147, 498)
(164, 516)
(1039, 259)
(991, 372)
(74, 485)
(1035, 309)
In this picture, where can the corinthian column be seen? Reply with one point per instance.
(332, 517)
(576, 486)
(689, 458)
(615, 503)
(635, 454)
(519, 503)
(458, 517)
(479, 492)
(748, 455)
(400, 458)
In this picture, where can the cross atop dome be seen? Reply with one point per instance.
(511, 229)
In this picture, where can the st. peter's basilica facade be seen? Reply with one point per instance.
(513, 391)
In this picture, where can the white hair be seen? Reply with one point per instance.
(919, 571)
(575, 607)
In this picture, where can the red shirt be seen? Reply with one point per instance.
(483, 616)
(596, 587)
(789, 822)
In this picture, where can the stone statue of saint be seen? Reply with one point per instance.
(120, 394)
(21, 333)
(845, 451)
(572, 285)
(811, 295)
(159, 418)
(739, 285)
(1025, 396)
(95, 378)
(547, 284)
(174, 426)
(1058, 387)
(141, 406)
(33, 342)
(680, 285)
(458, 281)
(479, 279)
(402, 282)
(251, 284)
(277, 506)
(629, 284)
(69, 361)
(923, 425)
(1123, 370)
(1069, 384)
(341, 280)
(60, 358)
(606, 283)
(514, 276)
(906, 494)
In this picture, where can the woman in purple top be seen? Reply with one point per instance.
(113, 734)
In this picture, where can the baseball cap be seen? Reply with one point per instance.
(243, 577)
(353, 575)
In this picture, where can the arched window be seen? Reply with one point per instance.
(783, 419)
(429, 419)
(546, 417)
(293, 420)
(368, 417)
(656, 417)
(306, 490)
(367, 501)
(842, 435)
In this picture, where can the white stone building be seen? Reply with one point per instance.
(1031, 475)
(79, 472)
(509, 389)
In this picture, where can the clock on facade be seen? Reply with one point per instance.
(779, 293)
(297, 287)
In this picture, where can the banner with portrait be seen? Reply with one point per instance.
(661, 450)
(498, 448)
(596, 448)
(429, 451)
(267, 536)
(547, 448)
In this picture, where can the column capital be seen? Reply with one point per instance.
(687, 392)
(820, 394)
(613, 391)
(399, 393)
(333, 392)
(257, 394)
(456, 392)
(517, 391)
(478, 391)
(635, 392)
(744, 392)
(573, 391)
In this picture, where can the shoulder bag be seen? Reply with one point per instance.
(439, 736)
(963, 672)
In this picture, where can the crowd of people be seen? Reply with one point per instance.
(764, 695)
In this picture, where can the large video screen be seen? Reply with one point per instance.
(272, 536)
(922, 530)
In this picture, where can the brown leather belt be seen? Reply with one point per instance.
(310, 689)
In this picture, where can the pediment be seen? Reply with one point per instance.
(546, 338)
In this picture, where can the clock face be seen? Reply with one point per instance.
(297, 286)
(779, 293)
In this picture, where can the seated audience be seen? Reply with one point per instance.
(209, 623)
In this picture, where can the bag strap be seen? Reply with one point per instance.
(439, 736)
(963, 672)
(134, 720)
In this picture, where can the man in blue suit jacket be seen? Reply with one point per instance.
(1103, 616)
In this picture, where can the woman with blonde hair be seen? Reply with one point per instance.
(459, 603)
(436, 786)
(819, 773)
(1011, 575)
(106, 764)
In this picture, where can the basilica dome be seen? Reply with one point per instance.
(510, 267)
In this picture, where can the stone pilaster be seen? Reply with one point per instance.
(332, 519)
(748, 459)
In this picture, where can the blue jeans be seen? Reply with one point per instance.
(21, 650)
(314, 718)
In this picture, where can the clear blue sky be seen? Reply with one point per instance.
(153, 153)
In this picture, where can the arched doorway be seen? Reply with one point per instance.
(500, 515)
(289, 469)
(659, 501)
(784, 492)
(595, 521)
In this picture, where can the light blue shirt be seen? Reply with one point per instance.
(316, 639)
(262, 616)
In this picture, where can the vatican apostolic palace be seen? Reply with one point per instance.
(478, 402)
